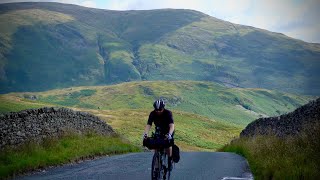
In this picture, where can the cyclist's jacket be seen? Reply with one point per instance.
(161, 120)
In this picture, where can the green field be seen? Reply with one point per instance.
(207, 115)
(233, 105)
(192, 132)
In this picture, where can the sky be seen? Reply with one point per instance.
(295, 18)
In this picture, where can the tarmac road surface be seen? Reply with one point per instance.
(137, 166)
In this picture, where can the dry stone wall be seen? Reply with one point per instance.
(37, 124)
(288, 124)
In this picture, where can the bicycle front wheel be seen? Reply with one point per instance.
(155, 173)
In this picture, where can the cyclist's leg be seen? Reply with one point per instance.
(157, 160)
(169, 153)
(169, 150)
(164, 162)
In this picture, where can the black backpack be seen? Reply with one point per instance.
(175, 153)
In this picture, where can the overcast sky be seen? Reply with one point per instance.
(295, 18)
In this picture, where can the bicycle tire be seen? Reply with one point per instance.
(155, 175)
(168, 170)
(164, 169)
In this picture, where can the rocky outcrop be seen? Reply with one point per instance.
(288, 124)
(37, 124)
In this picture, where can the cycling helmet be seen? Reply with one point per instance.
(158, 104)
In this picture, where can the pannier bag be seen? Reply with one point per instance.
(158, 143)
(175, 153)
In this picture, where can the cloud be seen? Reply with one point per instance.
(308, 34)
(90, 4)
(295, 18)
(298, 19)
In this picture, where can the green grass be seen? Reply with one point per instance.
(208, 115)
(270, 157)
(233, 105)
(56, 151)
(12, 104)
(73, 99)
(192, 132)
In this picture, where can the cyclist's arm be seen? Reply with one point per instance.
(147, 129)
(149, 124)
(171, 123)
(171, 126)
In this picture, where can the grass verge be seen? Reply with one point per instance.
(270, 157)
(56, 151)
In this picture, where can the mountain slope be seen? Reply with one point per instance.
(52, 45)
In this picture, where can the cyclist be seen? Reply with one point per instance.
(163, 120)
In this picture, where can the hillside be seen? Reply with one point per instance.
(207, 115)
(234, 105)
(52, 45)
(193, 132)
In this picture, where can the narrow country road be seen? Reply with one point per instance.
(192, 165)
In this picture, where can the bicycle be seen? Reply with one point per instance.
(160, 159)
(159, 166)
